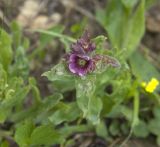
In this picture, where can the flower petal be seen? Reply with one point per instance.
(72, 58)
(72, 68)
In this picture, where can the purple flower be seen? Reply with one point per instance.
(81, 61)
(83, 45)
(80, 64)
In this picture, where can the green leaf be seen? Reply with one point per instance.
(5, 49)
(16, 34)
(23, 132)
(121, 25)
(129, 3)
(84, 91)
(69, 130)
(114, 128)
(136, 33)
(21, 63)
(125, 128)
(156, 112)
(101, 130)
(105, 77)
(64, 86)
(51, 101)
(139, 63)
(58, 72)
(35, 90)
(118, 110)
(65, 113)
(141, 129)
(154, 126)
(108, 104)
(101, 16)
(115, 28)
(17, 98)
(25, 43)
(94, 110)
(90, 105)
(3, 82)
(12, 93)
(45, 135)
(38, 111)
(4, 114)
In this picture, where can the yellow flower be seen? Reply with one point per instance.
(151, 85)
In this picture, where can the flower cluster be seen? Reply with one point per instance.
(82, 59)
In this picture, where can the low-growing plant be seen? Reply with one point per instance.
(114, 89)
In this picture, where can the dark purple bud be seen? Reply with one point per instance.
(83, 45)
(106, 60)
(80, 64)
